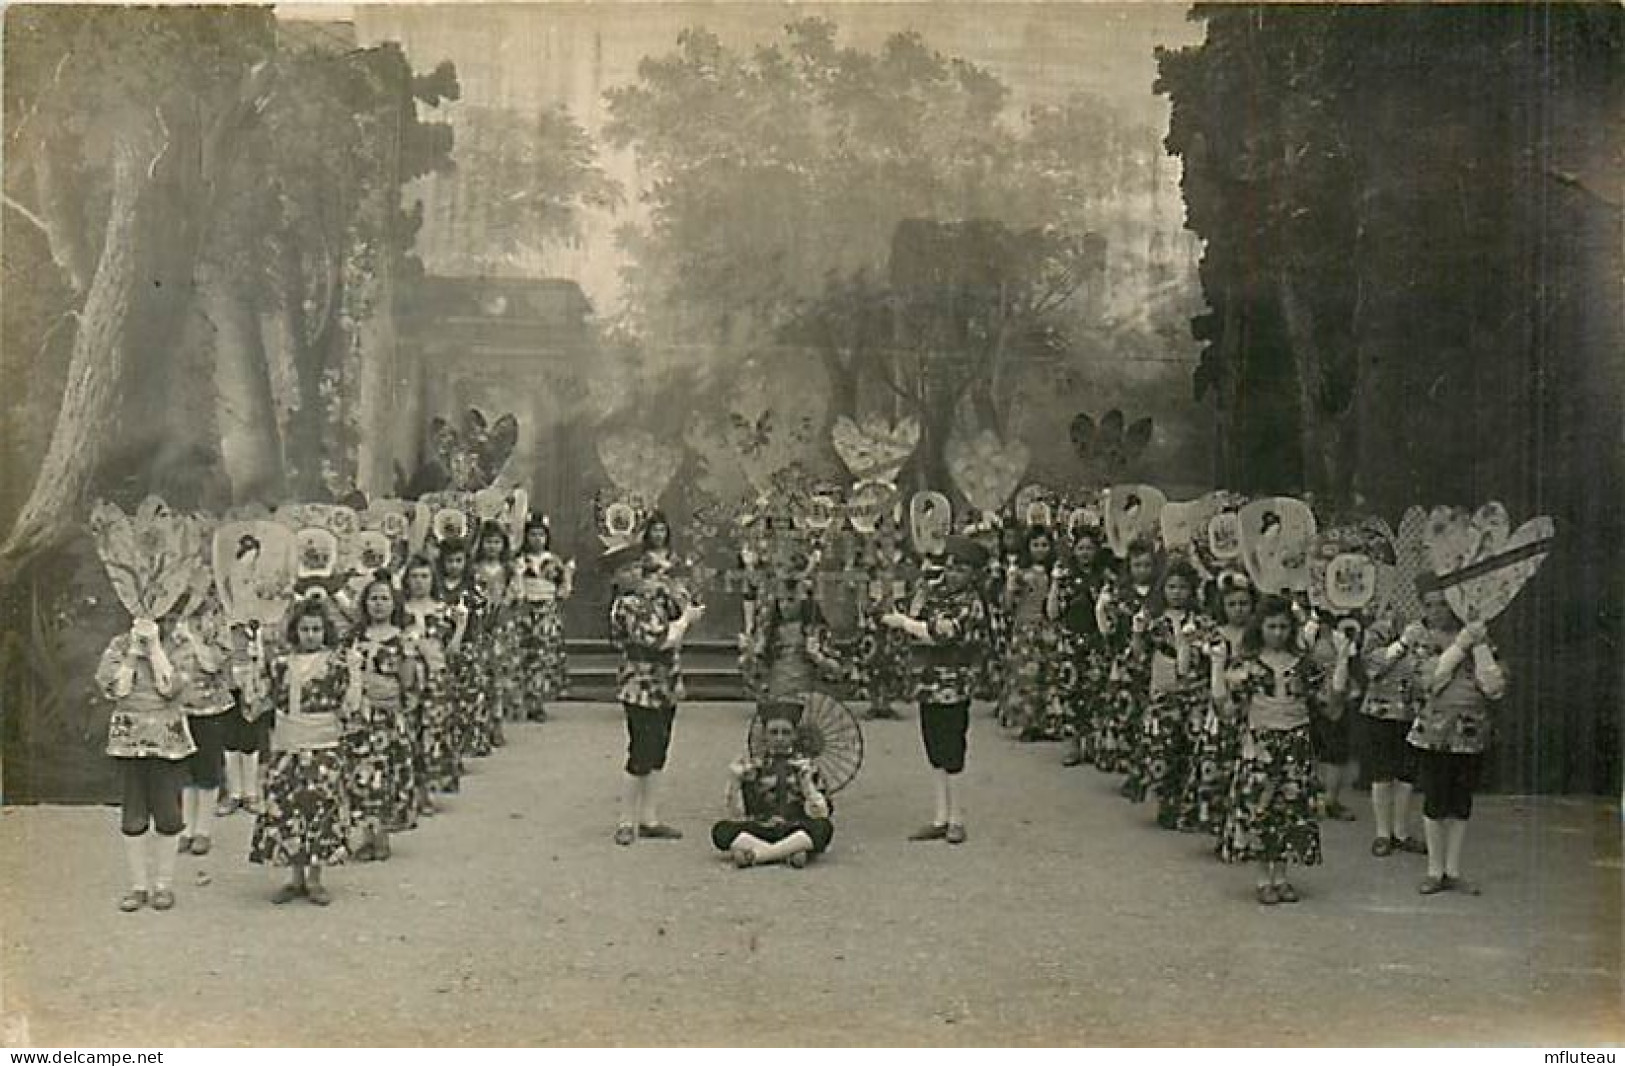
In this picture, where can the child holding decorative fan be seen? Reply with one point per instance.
(312, 690)
(1116, 611)
(434, 638)
(1461, 679)
(1176, 642)
(202, 658)
(1218, 748)
(542, 581)
(1085, 662)
(1271, 816)
(148, 734)
(379, 739)
(153, 558)
(1392, 667)
(488, 641)
(1030, 658)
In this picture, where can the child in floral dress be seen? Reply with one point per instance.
(541, 582)
(379, 739)
(1180, 692)
(490, 639)
(1218, 747)
(311, 690)
(1033, 649)
(1271, 817)
(1118, 612)
(434, 637)
(1085, 663)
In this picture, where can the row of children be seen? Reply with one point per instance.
(338, 728)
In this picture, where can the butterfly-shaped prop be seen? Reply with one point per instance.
(875, 450)
(1276, 534)
(151, 557)
(985, 469)
(1481, 561)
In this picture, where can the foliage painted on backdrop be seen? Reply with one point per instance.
(785, 180)
(258, 188)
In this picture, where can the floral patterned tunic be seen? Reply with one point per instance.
(947, 668)
(650, 674)
(145, 724)
(1271, 814)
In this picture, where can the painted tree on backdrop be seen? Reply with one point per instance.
(808, 195)
(1370, 225)
(186, 179)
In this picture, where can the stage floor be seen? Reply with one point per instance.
(1067, 918)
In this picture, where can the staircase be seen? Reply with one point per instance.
(710, 670)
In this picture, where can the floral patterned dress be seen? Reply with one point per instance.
(1084, 662)
(990, 683)
(1030, 657)
(883, 653)
(541, 584)
(1271, 815)
(473, 681)
(1218, 749)
(1181, 693)
(1127, 684)
(429, 639)
(791, 647)
(304, 818)
(380, 741)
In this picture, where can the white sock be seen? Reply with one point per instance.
(941, 785)
(191, 799)
(135, 858)
(251, 775)
(631, 799)
(1434, 832)
(1382, 808)
(234, 774)
(203, 820)
(647, 814)
(1455, 835)
(166, 863)
(956, 810)
(1402, 809)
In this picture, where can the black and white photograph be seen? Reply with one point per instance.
(794, 525)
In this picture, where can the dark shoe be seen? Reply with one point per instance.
(625, 834)
(200, 845)
(318, 895)
(955, 833)
(163, 899)
(1410, 845)
(1432, 886)
(1072, 758)
(288, 893)
(1339, 813)
(133, 900)
(183, 844)
(1460, 884)
(1382, 847)
(934, 831)
(227, 807)
(1268, 895)
(380, 851)
(659, 831)
(1286, 893)
(798, 861)
(743, 858)
(364, 852)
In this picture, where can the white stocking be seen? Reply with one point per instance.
(135, 857)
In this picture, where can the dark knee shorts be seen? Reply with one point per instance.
(1448, 782)
(245, 737)
(648, 738)
(1387, 755)
(152, 795)
(821, 830)
(1330, 738)
(943, 727)
(209, 734)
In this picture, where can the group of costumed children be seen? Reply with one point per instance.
(339, 730)
(1231, 708)
(1234, 710)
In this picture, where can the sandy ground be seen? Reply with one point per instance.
(1067, 919)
